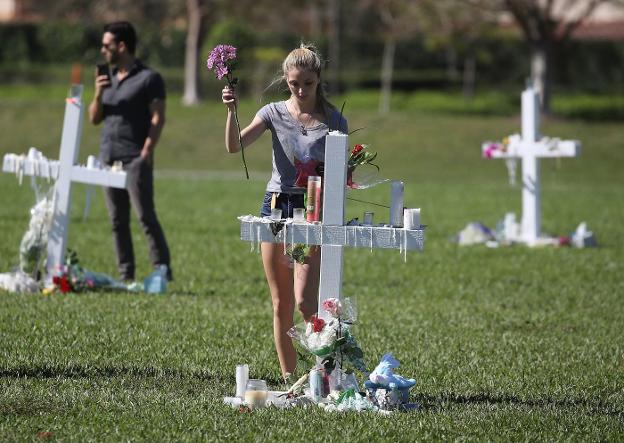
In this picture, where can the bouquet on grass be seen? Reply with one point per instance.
(332, 340)
(35, 239)
(71, 277)
(222, 60)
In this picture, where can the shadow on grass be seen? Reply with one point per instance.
(593, 407)
(77, 371)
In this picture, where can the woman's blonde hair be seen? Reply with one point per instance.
(306, 57)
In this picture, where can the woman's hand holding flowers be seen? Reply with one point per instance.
(228, 95)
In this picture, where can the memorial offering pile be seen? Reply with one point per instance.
(508, 232)
(72, 277)
(332, 383)
(69, 277)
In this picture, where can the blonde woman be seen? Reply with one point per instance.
(298, 128)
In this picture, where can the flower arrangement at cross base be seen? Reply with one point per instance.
(334, 343)
(332, 340)
(34, 242)
(222, 60)
(72, 277)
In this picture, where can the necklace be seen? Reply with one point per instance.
(303, 125)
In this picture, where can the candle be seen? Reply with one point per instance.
(299, 214)
(314, 199)
(396, 206)
(316, 384)
(411, 218)
(256, 393)
(255, 399)
(91, 162)
(242, 376)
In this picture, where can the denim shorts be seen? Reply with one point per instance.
(286, 202)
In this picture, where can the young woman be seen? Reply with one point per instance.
(298, 128)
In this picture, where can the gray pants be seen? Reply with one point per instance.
(139, 193)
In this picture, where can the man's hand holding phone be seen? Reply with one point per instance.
(102, 78)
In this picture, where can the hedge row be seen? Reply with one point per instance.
(593, 66)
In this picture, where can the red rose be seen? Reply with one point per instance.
(357, 149)
(317, 324)
(65, 286)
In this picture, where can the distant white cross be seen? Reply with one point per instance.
(530, 147)
(332, 234)
(64, 171)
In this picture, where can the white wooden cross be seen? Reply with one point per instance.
(332, 234)
(530, 147)
(64, 171)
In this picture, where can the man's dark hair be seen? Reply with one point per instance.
(123, 32)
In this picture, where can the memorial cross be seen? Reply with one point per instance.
(332, 234)
(530, 147)
(64, 171)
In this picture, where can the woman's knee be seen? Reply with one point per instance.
(283, 309)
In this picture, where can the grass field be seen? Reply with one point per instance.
(505, 344)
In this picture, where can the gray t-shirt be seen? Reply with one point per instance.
(126, 110)
(290, 143)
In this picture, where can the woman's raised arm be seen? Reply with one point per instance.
(249, 134)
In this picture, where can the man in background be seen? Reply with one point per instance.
(130, 100)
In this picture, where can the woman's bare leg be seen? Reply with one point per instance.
(307, 283)
(280, 279)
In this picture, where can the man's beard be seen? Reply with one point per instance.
(113, 58)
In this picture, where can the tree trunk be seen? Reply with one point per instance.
(451, 64)
(194, 36)
(316, 24)
(540, 73)
(387, 68)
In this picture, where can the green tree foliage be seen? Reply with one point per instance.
(232, 32)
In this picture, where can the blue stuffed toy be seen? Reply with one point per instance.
(383, 376)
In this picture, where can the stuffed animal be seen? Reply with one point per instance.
(383, 375)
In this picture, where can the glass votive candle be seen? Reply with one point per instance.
(368, 218)
(256, 393)
(276, 214)
(299, 214)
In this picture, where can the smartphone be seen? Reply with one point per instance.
(102, 69)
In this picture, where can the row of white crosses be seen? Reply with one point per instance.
(332, 234)
(529, 148)
(65, 171)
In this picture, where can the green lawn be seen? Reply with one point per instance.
(505, 344)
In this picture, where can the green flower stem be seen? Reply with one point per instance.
(240, 141)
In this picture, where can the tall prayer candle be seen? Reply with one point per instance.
(314, 199)
(396, 206)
